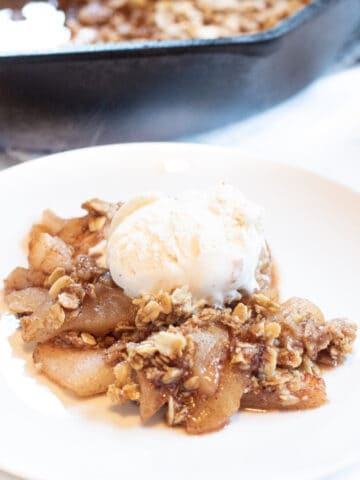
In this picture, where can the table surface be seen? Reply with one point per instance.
(318, 129)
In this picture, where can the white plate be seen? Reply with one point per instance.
(313, 228)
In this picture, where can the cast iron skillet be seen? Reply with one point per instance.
(69, 98)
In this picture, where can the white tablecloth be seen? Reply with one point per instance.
(319, 129)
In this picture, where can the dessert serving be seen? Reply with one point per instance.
(172, 303)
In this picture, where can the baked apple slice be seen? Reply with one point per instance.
(212, 413)
(152, 398)
(308, 391)
(83, 372)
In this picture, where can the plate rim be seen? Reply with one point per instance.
(242, 157)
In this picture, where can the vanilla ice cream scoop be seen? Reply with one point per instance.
(42, 27)
(208, 240)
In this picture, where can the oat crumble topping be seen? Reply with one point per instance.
(127, 20)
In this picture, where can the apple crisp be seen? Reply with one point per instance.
(127, 20)
(201, 363)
